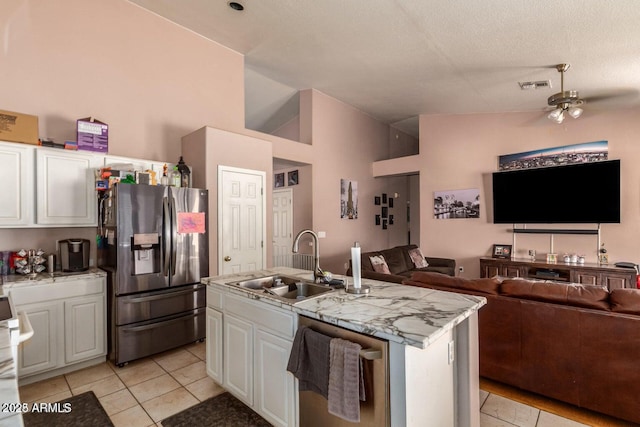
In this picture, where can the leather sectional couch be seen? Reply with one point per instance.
(400, 264)
(574, 343)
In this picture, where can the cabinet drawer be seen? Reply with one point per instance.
(214, 298)
(280, 322)
(28, 293)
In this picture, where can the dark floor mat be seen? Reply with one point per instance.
(223, 410)
(77, 411)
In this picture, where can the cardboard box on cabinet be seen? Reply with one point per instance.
(93, 135)
(18, 127)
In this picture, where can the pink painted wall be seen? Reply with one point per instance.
(206, 149)
(461, 151)
(150, 80)
(345, 142)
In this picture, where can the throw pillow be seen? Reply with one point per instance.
(418, 258)
(379, 264)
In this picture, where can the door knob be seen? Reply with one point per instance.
(227, 258)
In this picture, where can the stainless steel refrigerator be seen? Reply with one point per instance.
(154, 246)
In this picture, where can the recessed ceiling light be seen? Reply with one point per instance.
(235, 5)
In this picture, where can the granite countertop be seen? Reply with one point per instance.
(14, 280)
(404, 314)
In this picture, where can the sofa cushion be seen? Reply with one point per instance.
(396, 260)
(625, 301)
(487, 286)
(560, 293)
(379, 264)
(417, 258)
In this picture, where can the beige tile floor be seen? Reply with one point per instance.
(140, 394)
(145, 392)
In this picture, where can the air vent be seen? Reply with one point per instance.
(534, 85)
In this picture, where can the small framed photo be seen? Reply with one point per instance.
(384, 224)
(390, 219)
(377, 219)
(501, 251)
(278, 180)
(603, 258)
(390, 202)
(385, 212)
(292, 177)
(384, 198)
(376, 200)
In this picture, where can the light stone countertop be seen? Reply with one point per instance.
(408, 315)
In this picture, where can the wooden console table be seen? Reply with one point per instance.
(587, 274)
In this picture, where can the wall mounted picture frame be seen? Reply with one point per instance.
(376, 200)
(292, 177)
(377, 219)
(501, 251)
(390, 219)
(385, 212)
(390, 202)
(348, 199)
(278, 180)
(384, 224)
(384, 198)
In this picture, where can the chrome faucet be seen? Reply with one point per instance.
(318, 274)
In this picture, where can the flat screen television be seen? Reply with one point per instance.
(578, 193)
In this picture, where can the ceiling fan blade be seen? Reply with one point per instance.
(615, 97)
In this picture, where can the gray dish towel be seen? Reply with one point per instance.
(346, 382)
(309, 360)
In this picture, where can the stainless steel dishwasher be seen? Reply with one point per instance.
(374, 411)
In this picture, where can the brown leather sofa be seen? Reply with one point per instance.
(578, 344)
(400, 265)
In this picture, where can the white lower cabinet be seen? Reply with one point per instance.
(254, 347)
(84, 325)
(69, 325)
(274, 386)
(40, 352)
(214, 345)
(238, 358)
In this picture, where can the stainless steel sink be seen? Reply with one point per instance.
(286, 288)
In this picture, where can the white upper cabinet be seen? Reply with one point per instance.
(16, 176)
(65, 187)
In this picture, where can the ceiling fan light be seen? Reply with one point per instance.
(555, 115)
(575, 112)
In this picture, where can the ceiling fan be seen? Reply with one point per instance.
(568, 102)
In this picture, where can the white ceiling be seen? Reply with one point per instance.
(396, 59)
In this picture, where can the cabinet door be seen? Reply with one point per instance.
(16, 176)
(84, 324)
(511, 271)
(40, 352)
(616, 280)
(275, 394)
(214, 345)
(65, 189)
(586, 277)
(489, 270)
(238, 358)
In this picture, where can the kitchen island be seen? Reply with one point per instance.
(432, 336)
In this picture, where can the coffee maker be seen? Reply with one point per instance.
(74, 254)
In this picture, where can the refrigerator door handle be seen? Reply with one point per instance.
(174, 236)
(166, 233)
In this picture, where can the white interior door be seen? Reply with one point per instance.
(241, 220)
(282, 227)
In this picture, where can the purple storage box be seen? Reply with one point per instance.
(93, 135)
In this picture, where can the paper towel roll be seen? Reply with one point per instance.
(355, 265)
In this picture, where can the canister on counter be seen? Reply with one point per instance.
(51, 263)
